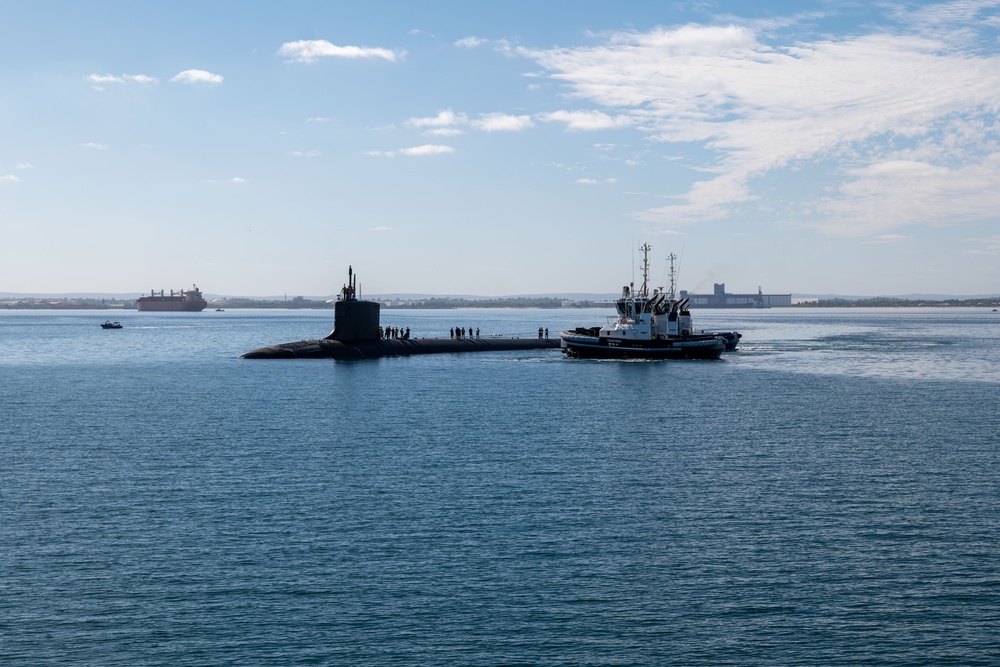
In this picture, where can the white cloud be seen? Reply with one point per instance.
(415, 151)
(444, 118)
(470, 42)
(863, 101)
(195, 76)
(93, 145)
(319, 119)
(308, 51)
(312, 153)
(427, 149)
(25, 165)
(9, 178)
(444, 132)
(587, 120)
(501, 122)
(594, 181)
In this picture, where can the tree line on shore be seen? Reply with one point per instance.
(429, 303)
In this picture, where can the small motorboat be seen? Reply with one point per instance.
(111, 325)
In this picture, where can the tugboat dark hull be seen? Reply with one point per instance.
(730, 338)
(582, 346)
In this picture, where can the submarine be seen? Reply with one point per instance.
(357, 335)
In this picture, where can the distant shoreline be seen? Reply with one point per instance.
(889, 302)
(447, 303)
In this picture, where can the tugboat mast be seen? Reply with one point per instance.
(672, 294)
(644, 290)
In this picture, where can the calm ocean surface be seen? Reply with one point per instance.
(827, 495)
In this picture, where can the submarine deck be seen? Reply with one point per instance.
(372, 349)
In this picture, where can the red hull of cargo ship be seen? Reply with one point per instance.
(167, 303)
(190, 301)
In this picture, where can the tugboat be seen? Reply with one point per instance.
(656, 326)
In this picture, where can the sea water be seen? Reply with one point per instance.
(829, 494)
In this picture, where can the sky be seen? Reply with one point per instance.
(261, 148)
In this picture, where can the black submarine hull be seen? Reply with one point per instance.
(327, 348)
(357, 335)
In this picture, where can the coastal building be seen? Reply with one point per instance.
(719, 298)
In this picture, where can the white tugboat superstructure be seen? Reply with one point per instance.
(648, 326)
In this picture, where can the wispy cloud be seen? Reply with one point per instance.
(319, 119)
(25, 165)
(93, 145)
(907, 191)
(196, 76)
(311, 153)
(309, 51)
(902, 122)
(9, 178)
(985, 246)
(416, 151)
(449, 123)
(594, 181)
(99, 81)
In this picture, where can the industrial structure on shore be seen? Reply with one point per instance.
(719, 298)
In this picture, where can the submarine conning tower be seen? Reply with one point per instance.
(354, 320)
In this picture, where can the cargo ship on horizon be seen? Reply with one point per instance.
(187, 301)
